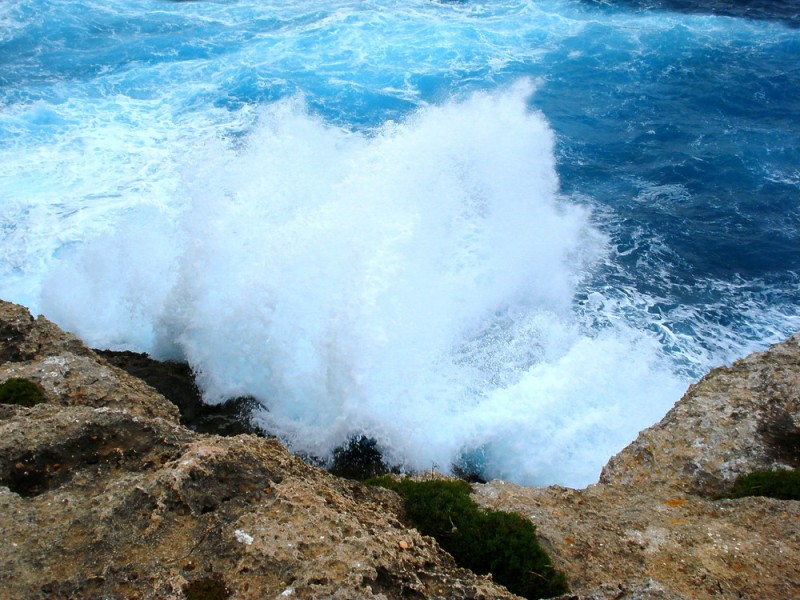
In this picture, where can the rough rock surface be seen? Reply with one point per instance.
(735, 420)
(652, 527)
(175, 381)
(103, 494)
(68, 372)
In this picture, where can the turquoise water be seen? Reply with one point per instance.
(506, 233)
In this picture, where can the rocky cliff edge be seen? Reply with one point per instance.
(103, 494)
(653, 527)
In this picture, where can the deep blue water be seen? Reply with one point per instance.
(511, 231)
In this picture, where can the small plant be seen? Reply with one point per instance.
(783, 484)
(21, 392)
(484, 541)
(359, 459)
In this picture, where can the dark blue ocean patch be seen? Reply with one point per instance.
(783, 11)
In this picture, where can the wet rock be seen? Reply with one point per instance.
(176, 382)
(360, 458)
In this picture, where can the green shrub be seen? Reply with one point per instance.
(783, 484)
(484, 541)
(21, 392)
(359, 459)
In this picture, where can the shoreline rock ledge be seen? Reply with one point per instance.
(655, 525)
(103, 494)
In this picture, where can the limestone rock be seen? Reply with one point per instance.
(652, 528)
(100, 503)
(736, 420)
(69, 372)
(650, 590)
(103, 494)
(688, 546)
(23, 338)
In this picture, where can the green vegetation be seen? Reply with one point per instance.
(21, 392)
(359, 459)
(484, 541)
(783, 484)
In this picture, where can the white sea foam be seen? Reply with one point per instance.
(415, 284)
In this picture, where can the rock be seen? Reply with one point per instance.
(68, 372)
(175, 381)
(24, 338)
(98, 502)
(736, 420)
(651, 528)
(690, 547)
(103, 494)
(650, 590)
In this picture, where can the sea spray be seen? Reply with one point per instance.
(414, 283)
(157, 176)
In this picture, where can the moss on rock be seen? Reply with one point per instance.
(21, 392)
(783, 484)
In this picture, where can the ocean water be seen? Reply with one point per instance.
(503, 235)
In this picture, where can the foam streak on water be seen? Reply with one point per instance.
(500, 234)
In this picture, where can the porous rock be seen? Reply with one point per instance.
(68, 372)
(654, 527)
(735, 420)
(103, 494)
